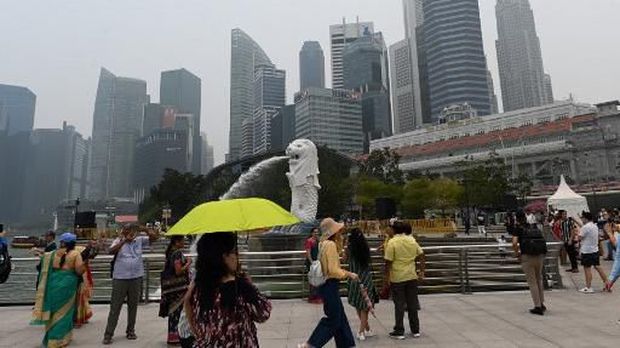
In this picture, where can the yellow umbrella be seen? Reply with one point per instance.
(235, 215)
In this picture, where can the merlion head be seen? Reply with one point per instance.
(303, 162)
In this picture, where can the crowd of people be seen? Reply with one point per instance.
(212, 303)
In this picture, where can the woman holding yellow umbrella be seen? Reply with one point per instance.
(222, 305)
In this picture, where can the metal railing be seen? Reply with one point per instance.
(449, 269)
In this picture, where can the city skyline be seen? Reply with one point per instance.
(76, 59)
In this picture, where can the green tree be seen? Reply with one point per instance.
(445, 194)
(417, 196)
(178, 191)
(368, 189)
(522, 186)
(485, 183)
(382, 165)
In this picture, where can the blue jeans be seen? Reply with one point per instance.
(615, 269)
(335, 323)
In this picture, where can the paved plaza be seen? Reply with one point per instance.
(478, 320)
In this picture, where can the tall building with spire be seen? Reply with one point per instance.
(311, 66)
(522, 75)
(246, 54)
(340, 36)
(117, 125)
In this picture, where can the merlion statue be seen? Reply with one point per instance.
(303, 177)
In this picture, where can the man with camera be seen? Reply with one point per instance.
(127, 273)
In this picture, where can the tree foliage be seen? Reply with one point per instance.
(425, 193)
(178, 191)
(382, 165)
(368, 189)
(522, 186)
(485, 183)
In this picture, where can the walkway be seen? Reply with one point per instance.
(480, 320)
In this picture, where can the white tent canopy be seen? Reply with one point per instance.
(567, 199)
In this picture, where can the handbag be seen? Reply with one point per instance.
(315, 274)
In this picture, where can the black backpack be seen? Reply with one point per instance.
(532, 241)
(5, 264)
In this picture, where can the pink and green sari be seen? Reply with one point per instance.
(55, 303)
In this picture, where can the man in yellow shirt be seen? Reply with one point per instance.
(401, 254)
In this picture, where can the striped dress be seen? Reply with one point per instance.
(355, 297)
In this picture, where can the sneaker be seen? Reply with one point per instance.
(369, 333)
(132, 336)
(361, 337)
(537, 311)
(586, 290)
(415, 335)
(397, 335)
(107, 340)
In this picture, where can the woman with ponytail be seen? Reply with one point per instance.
(55, 298)
(174, 282)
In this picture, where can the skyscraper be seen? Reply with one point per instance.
(55, 171)
(283, 128)
(403, 100)
(117, 124)
(269, 97)
(548, 90)
(246, 54)
(159, 150)
(207, 155)
(17, 106)
(521, 71)
(330, 117)
(181, 89)
(414, 19)
(492, 95)
(365, 63)
(454, 54)
(311, 66)
(341, 35)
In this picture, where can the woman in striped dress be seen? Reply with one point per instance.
(358, 254)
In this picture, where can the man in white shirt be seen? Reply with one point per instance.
(588, 236)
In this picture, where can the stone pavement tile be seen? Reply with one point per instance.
(496, 344)
(275, 343)
(535, 343)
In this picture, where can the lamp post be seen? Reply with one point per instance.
(166, 214)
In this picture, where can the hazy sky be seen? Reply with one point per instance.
(56, 48)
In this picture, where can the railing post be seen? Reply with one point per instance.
(460, 268)
(466, 260)
(147, 278)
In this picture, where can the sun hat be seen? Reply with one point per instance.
(330, 227)
(68, 237)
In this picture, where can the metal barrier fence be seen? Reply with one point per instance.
(449, 269)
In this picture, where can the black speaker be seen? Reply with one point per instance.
(85, 219)
(385, 208)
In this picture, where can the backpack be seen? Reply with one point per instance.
(5, 264)
(315, 274)
(532, 241)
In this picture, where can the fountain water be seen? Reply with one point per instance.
(245, 181)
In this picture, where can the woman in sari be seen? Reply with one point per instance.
(55, 299)
(83, 311)
(174, 283)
